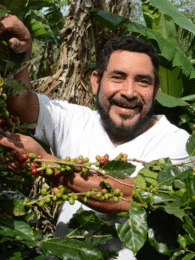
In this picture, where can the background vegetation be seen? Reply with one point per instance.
(67, 36)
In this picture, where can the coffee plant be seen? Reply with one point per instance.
(159, 225)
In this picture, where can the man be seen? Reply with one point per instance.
(125, 83)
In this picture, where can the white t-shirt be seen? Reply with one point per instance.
(73, 130)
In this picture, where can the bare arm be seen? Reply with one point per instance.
(74, 181)
(25, 106)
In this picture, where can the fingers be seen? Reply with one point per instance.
(16, 34)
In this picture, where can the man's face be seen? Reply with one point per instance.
(125, 96)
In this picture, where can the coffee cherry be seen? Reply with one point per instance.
(33, 171)
(97, 164)
(55, 190)
(68, 168)
(80, 161)
(85, 199)
(67, 159)
(59, 202)
(106, 157)
(71, 201)
(26, 200)
(78, 169)
(54, 198)
(58, 167)
(116, 199)
(86, 159)
(34, 164)
(24, 156)
(32, 155)
(62, 189)
(59, 194)
(104, 191)
(88, 194)
(49, 171)
(117, 192)
(39, 156)
(43, 191)
(75, 196)
(65, 197)
(41, 203)
(98, 157)
(98, 195)
(80, 157)
(106, 196)
(47, 200)
(102, 161)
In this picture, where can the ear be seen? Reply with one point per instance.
(95, 81)
(156, 91)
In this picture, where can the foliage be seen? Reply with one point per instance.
(163, 193)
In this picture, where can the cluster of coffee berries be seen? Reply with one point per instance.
(101, 160)
(104, 194)
(74, 165)
(121, 157)
(7, 122)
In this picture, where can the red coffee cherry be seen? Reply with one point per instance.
(24, 156)
(33, 171)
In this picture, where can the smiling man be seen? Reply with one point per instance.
(125, 83)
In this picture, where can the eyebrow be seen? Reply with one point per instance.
(119, 72)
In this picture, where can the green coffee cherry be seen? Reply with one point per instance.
(85, 199)
(116, 199)
(49, 171)
(58, 167)
(32, 155)
(71, 201)
(88, 194)
(65, 197)
(117, 192)
(41, 203)
(75, 196)
(47, 200)
(43, 191)
(59, 202)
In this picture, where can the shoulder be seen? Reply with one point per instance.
(171, 139)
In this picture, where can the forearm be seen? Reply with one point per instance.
(79, 184)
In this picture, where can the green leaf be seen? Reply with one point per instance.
(166, 177)
(109, 20)
(167, 7)
(182, 241)
(148, 175)
(189, 228)
(169, 101)
(70, 249)
(171, 81)
(88, 219)
(36, 25)
(189, 256)
(190, 145)
(133, 233)
(165, 26)
(95, 241)
(172, 208)
(4, 11)
(151, 198)
(15, 6)
(18, 230)
(12, 206)
(139, 181)
(14, 87)
(189, 98)
(119, 169)
(37, 4)
(17, 256)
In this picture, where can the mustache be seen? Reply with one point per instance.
(126, 103)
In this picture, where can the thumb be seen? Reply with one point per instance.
(16, 45)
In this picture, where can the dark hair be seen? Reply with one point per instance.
(127, 43)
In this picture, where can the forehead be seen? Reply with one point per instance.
(130, 62)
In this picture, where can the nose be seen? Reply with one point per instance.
(128, 89)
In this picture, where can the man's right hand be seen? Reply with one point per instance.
(16, 34)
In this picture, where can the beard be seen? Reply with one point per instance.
(123, 132)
